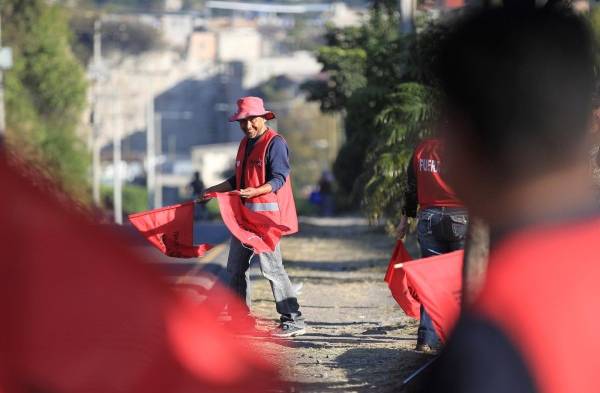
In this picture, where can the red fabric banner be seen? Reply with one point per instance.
(83, 313)
(399, 255)
(249, 227)
(398, 284)
(437, 283)
(171, 230)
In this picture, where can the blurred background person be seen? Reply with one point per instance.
(196, 187)
(518, 84)
(327, 197)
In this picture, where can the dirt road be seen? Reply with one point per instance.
(357, 337)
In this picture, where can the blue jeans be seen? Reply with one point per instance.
(271, 266)
(440, 230)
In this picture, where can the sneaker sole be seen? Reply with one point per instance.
(291, 334)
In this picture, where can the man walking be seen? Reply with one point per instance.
(262, 176)
(442, 221)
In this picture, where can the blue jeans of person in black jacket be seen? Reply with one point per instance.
(440, 230)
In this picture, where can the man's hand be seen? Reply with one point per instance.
(402, 227)
(221, 187)
(203, 198)
(250, 192)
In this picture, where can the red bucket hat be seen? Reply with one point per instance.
(251, 106)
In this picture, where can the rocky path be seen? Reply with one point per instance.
(357, 338)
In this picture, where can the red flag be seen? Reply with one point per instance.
(437, 282)
(399, 255)
(251, 228)
(82, 313)
(171, 230)
(398, 284)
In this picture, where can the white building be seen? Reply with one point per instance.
(239, 44)
(298, 65)
(214, 161)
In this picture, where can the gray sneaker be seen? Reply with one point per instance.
(289, 329)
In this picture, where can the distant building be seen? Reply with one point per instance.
(173, 5)
(215, 162)
(202, 46)
(193, 83)
(298, 65)
(239, 44)
(343, 16)
(176, 28)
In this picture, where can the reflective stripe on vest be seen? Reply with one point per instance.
(262, 207)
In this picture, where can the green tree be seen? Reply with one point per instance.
(382, 82)
(360, 62)
(45, 93)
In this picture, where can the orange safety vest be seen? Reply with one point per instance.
(279, 206)
(432, 189)
(543, 291)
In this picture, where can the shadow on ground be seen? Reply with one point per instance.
(371, 369)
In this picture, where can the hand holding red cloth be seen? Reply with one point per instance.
(251, 228)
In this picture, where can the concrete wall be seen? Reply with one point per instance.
(299, 65)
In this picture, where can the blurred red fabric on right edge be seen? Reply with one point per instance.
(83, 313)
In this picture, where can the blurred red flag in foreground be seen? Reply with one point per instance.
(249, 227)
(436, 283)
(171, 230)
(83, 313)
(396, 279)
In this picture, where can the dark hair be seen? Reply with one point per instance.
(523, 79)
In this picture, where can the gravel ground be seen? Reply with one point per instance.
(357, 338)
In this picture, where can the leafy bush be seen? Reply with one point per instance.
(45, 94)
(383, 82)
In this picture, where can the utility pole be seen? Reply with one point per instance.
(155, 149)
(5, 64)
(118, 182)
(158, 184)
(2, 115)
(150, 152)
(96, 72)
